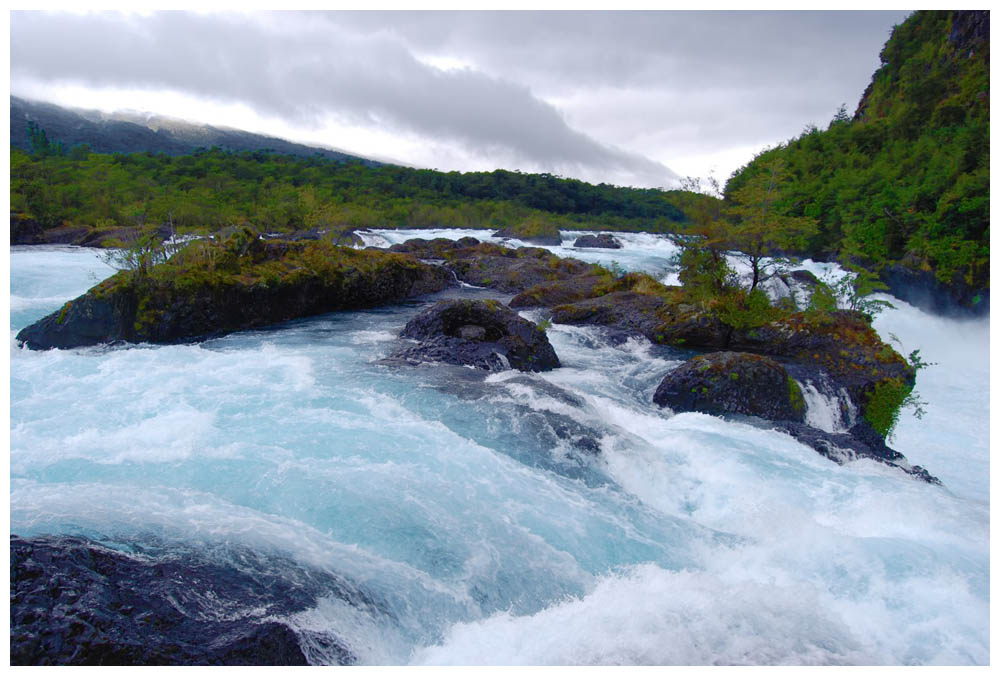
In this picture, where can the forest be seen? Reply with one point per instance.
(211, 189)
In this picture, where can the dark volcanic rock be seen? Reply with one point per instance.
(548, 236)
(213, 288)
(513, 270)
(625, 311)
(860, 442)
(732, 382)
(602, 241)
(75, 602)
(481, 333)
(560, 291)
(922, 289)
(89, 320)
(510, 270)
(432, 248)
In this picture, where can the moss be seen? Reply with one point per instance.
(881, 408)
(62, 313)
(795, 397)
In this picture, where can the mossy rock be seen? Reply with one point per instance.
(533, 230)
(211, 288)
(732, 382)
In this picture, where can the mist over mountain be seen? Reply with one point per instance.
(131, 131)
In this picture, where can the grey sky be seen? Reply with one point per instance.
(630, 98)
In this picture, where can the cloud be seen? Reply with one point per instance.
(669, 83)
(303, 70)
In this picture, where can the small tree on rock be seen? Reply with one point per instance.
(761, 228)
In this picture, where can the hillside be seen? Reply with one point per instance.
(902, 187)
(85, 197)
(123, 132)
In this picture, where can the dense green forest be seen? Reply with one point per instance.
(212, 189)
(907, 179)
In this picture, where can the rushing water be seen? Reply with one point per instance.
(510, 518)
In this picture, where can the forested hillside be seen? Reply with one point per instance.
(212, 189)
(904, 184)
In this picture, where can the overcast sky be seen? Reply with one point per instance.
(631, 98)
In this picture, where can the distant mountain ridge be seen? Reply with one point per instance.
(130, 132)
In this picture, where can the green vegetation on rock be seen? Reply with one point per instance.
(882, 407)
(215, 287)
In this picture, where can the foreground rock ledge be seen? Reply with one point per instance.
(75, 602)
(484, 334)
(212, 288)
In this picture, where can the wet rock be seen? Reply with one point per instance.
(602, 241)
(89, 320)
(482, 333)
(860, 442)
(213, 288)
(919, 287)
(561, 291)
(532, 232)
(512, 270)
(75, 602)
(732, 382)
(432, 248)
(627, 311)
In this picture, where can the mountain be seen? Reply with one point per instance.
(129, 132)
(902, 186)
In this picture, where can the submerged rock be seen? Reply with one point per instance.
(602, 241)
(75, 602)
(213, 288)
(732, 382)
(482, 333)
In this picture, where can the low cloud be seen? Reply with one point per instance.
(303, 70)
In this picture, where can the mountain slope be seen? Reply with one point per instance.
(136, 132)
(903, 187)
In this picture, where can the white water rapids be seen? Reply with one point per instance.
(468, 506)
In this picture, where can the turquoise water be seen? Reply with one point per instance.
(473, 509)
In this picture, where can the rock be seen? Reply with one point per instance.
(498, 267)
(561, 291)
(799, 285)
(512, 270)
(532, 231)
(482, 333)
(432, 249)
(602, 241)
(627, 312)
(88, 320)
(860, 442)
(732, 382)
(213, 288)
(75, 602)
(919, 287)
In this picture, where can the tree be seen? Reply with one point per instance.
(702, 262)
(762, 228)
